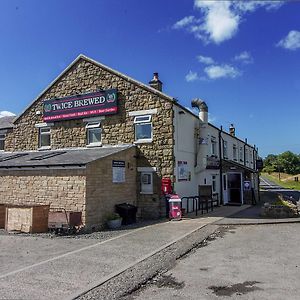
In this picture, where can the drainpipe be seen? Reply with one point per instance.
(221, 166)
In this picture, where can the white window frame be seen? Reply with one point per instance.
(213, 146)
(147, 188)
(145, 120)
(41, 133)
(2, 138)
(93, 125)
(214, 183)
(241, 154)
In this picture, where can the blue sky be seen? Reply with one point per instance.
(241, 57)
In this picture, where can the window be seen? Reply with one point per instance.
(234, 152)
(93, 134)
(246, 155)
(225, 152)
(213, 146)
(241, 154)
(44, 137)
(143, 128)
(146, 182)
(214, 183)
(2, 140)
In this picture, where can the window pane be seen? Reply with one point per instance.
(94, 135)
(45, 140)
(143, 131)
(1, 144)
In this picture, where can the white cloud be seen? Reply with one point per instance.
(191, 76)
(291, 41)
(220, 23)
(221, 71)
(220, 20)
(184, 22)
(205, 60)
(244, 57)
(5, 113)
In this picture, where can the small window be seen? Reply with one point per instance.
(143, 128)
(44, 137)
(234, 152)
(214, 183)
(225, 152)
(2, 141)
(93, 134)
(213, 146)
(146, 183)
(241, 154)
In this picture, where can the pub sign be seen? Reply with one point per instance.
(80, 106)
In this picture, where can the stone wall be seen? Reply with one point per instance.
(86, 76)
(59, 188)
(102, 194)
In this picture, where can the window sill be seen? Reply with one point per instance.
(146, 193)
(92, 145)
(44, 148)
(143, 141)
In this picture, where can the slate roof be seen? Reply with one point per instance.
(53, 158)
(7, 122)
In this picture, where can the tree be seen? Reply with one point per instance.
(289, 162)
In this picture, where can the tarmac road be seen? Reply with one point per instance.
(245, 262)
(269, 185)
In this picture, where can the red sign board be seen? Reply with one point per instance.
(80, 106)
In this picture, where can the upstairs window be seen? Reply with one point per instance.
(44, 137)
(213, 146)
(246, 155)
(143, 128)
(225, 151)
(2, 140)
(234, 152)
(93, 134)
(241, 154)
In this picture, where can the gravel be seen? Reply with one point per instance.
(104, 234)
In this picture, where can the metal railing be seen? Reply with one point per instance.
(196, 203)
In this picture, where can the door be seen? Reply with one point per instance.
(234, 188)
(225, 191)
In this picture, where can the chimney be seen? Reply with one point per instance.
(232, 130)
(203, 109)
(155, 82)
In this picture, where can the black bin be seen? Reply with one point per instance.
(127, 212)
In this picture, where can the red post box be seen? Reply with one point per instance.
(166, 186)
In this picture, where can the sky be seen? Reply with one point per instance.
(241, 57)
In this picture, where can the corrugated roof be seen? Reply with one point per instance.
(52, 158)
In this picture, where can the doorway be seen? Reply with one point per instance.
(232, 188)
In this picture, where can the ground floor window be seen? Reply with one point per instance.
(44, 137)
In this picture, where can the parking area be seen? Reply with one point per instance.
(242, 262)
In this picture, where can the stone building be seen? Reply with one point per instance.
(91, 109)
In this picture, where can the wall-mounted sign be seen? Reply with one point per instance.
(80, 106)
(247, 185)
(118, 171)
(212, 163)
(259, 164)
(183, 172)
